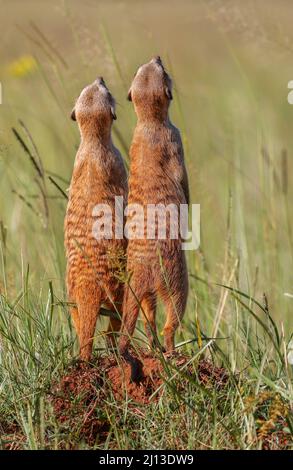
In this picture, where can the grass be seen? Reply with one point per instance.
(230, 102)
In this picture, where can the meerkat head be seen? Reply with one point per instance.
(151, 90)
(95, 107)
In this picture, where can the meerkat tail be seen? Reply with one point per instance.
(136, 367)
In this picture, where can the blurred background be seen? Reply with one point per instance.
(231, 62)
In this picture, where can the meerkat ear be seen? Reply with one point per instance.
(113, 114)
(168, 92)
(73, 116)
(129, 97)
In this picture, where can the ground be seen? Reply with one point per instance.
(78, 397)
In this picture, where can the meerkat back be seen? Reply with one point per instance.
(99, 176)
(158, 178)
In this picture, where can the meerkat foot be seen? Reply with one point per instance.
(84, 357)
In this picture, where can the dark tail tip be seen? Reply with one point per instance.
(135, 366)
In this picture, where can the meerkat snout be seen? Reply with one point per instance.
(100, 82)
(157, 59)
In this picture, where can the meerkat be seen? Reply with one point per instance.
(156, 267)
(98, 176)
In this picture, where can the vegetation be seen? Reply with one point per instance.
(231, 66)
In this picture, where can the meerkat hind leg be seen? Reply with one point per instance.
(114, 326)
(175, 308)
(88, 314)
(130, 314)
(148, 307)
(75, 319)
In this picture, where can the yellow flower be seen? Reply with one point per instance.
(23, 66)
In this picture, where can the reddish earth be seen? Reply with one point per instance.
(77, 397)
(78, 393)
(277, 439)
(89, 380)
(11, 437)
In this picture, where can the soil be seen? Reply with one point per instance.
(78, 393)
(75, 398)
(107, 373)
(11, 437)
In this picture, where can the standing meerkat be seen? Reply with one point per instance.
(98, 176)
(156, 267)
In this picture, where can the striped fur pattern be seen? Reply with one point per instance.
(156, 268)
(98, 176)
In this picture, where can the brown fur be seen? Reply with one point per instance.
(98, 176)
(157, 175)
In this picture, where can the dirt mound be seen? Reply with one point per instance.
(78, 398)
(82, 399)
(119, 378)
(75, 399)
(90, 381)
(11, 437)
(79, 393)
